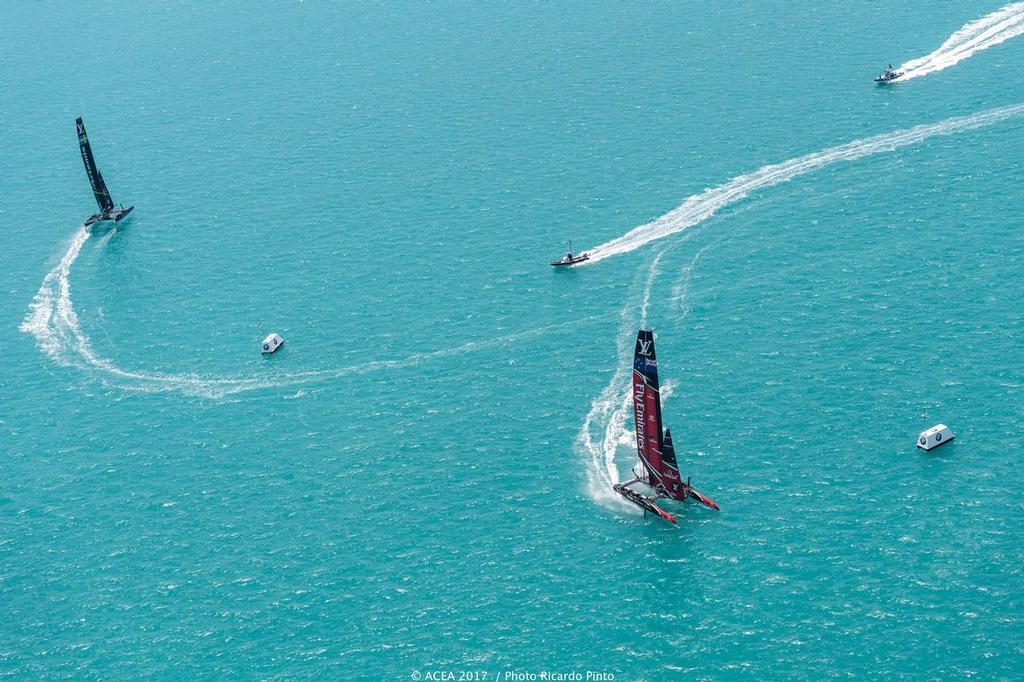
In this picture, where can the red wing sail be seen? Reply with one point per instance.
(647, 407)
(657, 454)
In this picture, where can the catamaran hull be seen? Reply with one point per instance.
(647, 503)
(700, 498)
(642, 502)
(103, 218)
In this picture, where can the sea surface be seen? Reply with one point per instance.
(419, 481)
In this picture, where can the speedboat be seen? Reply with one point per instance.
(890, 75)
(570, 259)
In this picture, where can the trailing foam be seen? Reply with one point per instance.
(973, 37)
(53, 322)
(700, 207)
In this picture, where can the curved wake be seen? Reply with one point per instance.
(610, 409)
(604, 429)
(992, 29)
(700, 207)
(52, 320)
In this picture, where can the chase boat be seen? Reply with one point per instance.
(889, 75)
(569, 259)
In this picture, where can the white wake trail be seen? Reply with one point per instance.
(40, 321)
(53, 322)
(610, 409)
(681, 289)
(981, 34)
(702, 206)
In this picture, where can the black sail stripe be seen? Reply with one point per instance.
(99, 188)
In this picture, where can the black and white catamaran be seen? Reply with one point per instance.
(657, 454)
(99, 188)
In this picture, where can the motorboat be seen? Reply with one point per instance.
(890, 75)
(570, 259)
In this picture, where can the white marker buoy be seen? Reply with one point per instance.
(271, 343)
(940, 434)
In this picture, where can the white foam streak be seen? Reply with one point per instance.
(53, 322)
(610, 410)
(40, 319)
(992, 29)
(681, 291)
(702, 206)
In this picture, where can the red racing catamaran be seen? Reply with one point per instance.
(657, 454)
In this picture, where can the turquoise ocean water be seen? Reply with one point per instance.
(420, 480)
